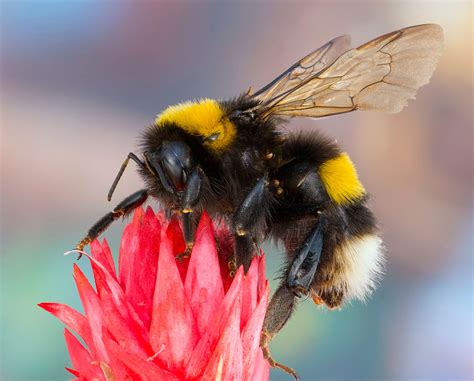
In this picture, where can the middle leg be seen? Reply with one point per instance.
(249, 222)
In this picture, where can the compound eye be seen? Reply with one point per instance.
(175, 170)
(172, 162)
(212, 138)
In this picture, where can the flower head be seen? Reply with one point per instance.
(159, 318)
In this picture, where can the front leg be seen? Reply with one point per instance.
(121, 210)
(249, 222)
(189, 200)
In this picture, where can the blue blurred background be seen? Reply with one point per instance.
(80, 79)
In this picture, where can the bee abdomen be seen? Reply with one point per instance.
(353, 257)
(357, 265)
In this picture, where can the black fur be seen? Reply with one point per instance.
(232, 173)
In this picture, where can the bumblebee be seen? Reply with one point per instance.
(233, 159)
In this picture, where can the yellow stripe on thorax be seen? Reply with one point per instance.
(205, 118)
(340, 179)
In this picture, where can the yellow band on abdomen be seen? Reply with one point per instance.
(339, 177)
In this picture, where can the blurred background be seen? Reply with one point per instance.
(80, 80)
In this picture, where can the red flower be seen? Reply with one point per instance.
(164, 319)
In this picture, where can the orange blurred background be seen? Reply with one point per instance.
(80, 80)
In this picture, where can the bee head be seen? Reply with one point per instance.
(170, 154)
(171, 162)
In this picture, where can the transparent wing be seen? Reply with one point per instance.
(379, 75)
(305, 68)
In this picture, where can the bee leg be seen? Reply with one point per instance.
(305, 262)
(121, 210)
(244, 252)
(299, 277)
(189, 200)
(279, 311)
(247, 219)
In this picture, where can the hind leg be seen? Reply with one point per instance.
(297, 283)
(279, 311)
(300, 224)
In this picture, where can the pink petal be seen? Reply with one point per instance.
(75, 373)
(138, 261)
(144, 369)
(160, 215)
(122, 329)
(115, 370)
(119, 310)
(72, 319)
(251, 336)
(91, 304)
(261, 371)
(175, 235)
(95, 314)
(262, 279)
(226, 361)
(128, 248)
(201, 355)
(95, 247)
(81, 359)
(249, 296)
(103, 255)
(226, 253)
(203, 283)
(173, 329)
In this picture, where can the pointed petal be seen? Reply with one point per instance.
(128, 248)
(249, 296)
(226, 254)
(75, 373)
(139, 259)
(146, 370)
(96, 253)
(175, 235)
(103, 255)
(201, 355)
(261, 371)
(122, 330)
(107, 371)
(226, 359)
(203, 284)
(81, 359)
(115, 370)
(93, 310)
(251, 337)
(72, 319)
(119, 310)
(262, 279)
(161, 216)
(172, 324)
